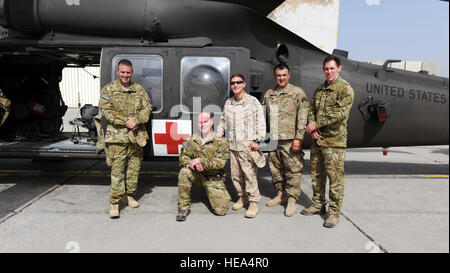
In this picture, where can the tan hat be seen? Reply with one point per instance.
(259, 158)
(137, 137)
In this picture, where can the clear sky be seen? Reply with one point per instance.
(409, 30)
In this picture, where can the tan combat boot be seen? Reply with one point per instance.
(252, 210)
(129, 200)
(277, 200)
(240, 203)
(290, 209)
(332, 221)
(114, 211)
(313, 210)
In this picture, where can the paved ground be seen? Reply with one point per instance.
(394, 203)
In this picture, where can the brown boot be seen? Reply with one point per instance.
(332, 221)
(277, 200)
(114, 211)
(252, 210)
(313, 210)
(240, 203)
(290, 209)
(129, 200)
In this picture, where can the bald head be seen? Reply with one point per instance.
(204, 116)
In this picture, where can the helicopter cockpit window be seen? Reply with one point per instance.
(148, 72)
(204, 83)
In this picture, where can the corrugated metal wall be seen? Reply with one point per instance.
(78, 86)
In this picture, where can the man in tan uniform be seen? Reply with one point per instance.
(287, 106)
(126, 107)
(243, 120)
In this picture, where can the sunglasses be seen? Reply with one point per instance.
(238, 82)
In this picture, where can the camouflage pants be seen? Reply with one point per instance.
(327, 162)
(243, 174)
(125, 163)
(217, 193)
(286, 167)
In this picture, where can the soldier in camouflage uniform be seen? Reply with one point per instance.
(328, 115)
(202, 161)
(243, 118)
(5, 108)
(287, 106)
(126, 107)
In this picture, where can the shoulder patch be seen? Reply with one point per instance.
(185, 145)
(105, 96)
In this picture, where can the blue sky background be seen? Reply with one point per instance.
(410, 30)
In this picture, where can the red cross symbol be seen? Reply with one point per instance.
(171, 138)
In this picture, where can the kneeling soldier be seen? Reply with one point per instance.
(203, 158)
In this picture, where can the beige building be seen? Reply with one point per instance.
(315, 21)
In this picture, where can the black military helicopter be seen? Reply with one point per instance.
(183, 53)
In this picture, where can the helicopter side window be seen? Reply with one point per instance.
(148, 72)
(204, 82)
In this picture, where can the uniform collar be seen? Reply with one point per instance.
(234, 101)
(283, 90)
(198, 138)
(130, 88)
(332, 86)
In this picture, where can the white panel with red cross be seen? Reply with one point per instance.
(169, 135)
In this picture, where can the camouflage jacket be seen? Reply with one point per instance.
(213, 153)
(288, 111)
(330, 109)
(244, 121)
(118, 103)
(5, 106)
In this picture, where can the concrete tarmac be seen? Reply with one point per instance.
(393, 203)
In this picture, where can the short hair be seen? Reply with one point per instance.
(332, 58)
(237, 75)
(280, 66)
(125, 62)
